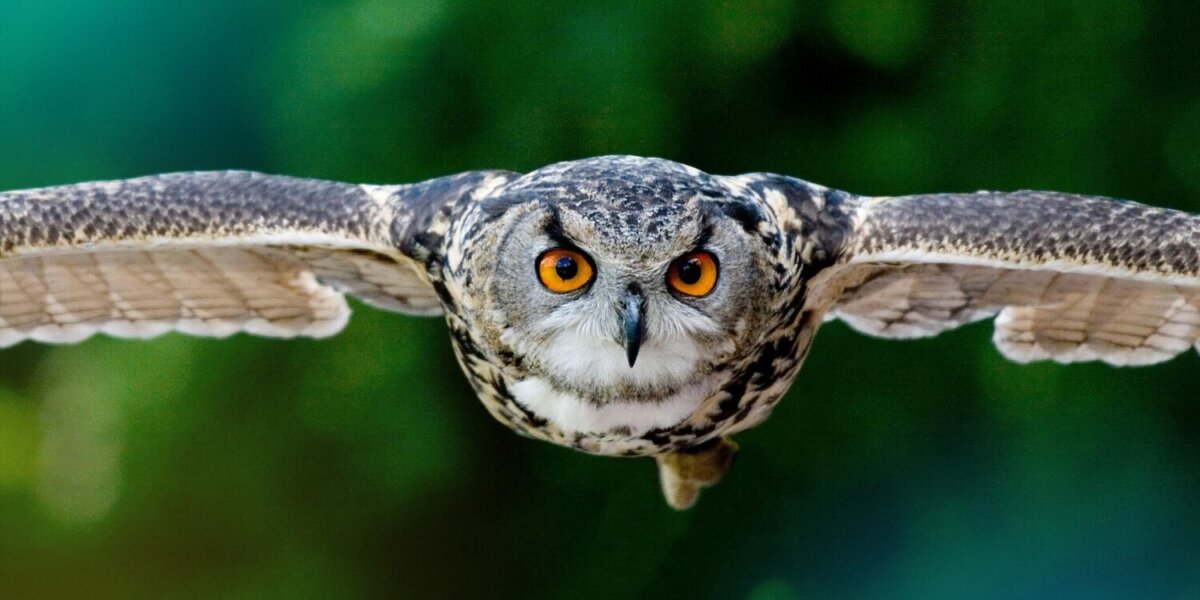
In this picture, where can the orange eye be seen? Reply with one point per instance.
(693, 274)
(563, 270)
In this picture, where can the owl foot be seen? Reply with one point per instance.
(684, 473)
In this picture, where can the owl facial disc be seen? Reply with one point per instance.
(632, 339)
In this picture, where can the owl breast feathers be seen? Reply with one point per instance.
(617, 305)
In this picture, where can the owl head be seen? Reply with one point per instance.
(622, 289)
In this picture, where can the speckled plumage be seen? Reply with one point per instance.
(1066, 277)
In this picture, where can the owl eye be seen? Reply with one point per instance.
(693, 274)
(562, 270)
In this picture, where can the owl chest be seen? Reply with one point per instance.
(732, 400)
(749, 392)
(526, 404)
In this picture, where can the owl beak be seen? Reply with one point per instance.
(635, 305)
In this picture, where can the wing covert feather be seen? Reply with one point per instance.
(1067, 278)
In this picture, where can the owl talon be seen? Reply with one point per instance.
(685, 473)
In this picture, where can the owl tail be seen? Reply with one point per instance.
(685, 472)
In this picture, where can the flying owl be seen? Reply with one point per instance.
(616, 305)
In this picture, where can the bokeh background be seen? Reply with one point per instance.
(362, 466)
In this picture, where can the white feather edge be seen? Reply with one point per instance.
(215, 328)
(1027, 354)
(219, 328)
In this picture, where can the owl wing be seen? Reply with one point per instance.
(215, 253)
(1067, 278)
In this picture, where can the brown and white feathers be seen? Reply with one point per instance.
(208, 254)
(1065, 277)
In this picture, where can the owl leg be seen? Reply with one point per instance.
(684, 473)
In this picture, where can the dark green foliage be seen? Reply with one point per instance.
(363, 467)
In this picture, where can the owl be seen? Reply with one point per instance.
(616, 305)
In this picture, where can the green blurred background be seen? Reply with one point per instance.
(362, 466)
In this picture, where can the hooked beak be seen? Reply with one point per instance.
(635, 305)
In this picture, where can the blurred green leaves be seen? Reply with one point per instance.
(1182, 147)
(20, 436)
(362, 466)
(887, 33)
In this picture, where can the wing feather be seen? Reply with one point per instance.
(212, 254)
(1067, 278)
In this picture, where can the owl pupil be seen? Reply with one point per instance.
(566, 268)
(690, 271)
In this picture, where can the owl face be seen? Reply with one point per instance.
(621, 297)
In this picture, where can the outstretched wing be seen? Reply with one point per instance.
(212, 254)
(1068, 278)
